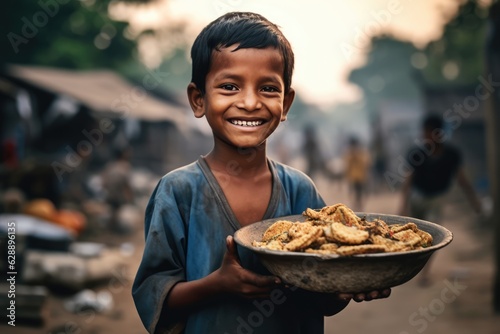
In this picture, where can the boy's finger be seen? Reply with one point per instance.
(231, 247)
(385, 293)
(253, 279)
(377, 294)
(229, 243)
(359, 297)
(344, 296)
(263, 281)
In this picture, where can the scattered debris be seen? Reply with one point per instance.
(88, 300)
(72, 271)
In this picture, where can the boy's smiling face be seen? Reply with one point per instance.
(245, 98)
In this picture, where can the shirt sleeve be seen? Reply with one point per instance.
(163, 262)
(305, 194)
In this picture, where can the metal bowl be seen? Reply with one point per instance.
(334, 273)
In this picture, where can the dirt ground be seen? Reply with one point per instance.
(458, 300)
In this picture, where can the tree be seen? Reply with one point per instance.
(64, 33)
(387, 74)
(457, 58)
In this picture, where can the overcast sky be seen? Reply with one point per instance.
(327, 36)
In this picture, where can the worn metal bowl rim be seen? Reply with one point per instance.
(448, 237)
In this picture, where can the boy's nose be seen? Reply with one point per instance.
(249, 101)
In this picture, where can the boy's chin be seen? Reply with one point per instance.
(244, 149)
(250, 148)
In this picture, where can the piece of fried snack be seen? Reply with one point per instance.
(408, 237)
(340, 233)
(426, 238)
(302, 235)
(277, 230)
(377, 227)
(337, 213)
(360, 249)
(408, 226)
(389, 244)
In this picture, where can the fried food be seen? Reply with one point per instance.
(408, 237)
(337, 213)
(343, 234)
(389, 244)
(426, 238)
(277, 230)
(319, 242)
(302, 235)
(336, 229)
(360, 249)
(272, 245)
(329, 246)
(377, 227)
(312, 214)
(408, 226)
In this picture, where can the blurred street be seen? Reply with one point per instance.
(457, 301)
(466, 264)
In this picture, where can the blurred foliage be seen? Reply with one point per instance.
(73, 34)
(173, 47)
(388, 72)
(458, 57)
(396, 69)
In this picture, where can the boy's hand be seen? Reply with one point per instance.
(237, 280)
(365, 296)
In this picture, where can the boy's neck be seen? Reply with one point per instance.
(238, 162)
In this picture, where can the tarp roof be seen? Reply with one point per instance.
(101, 91)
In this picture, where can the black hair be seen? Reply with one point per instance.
(432, 122)
(248, 30)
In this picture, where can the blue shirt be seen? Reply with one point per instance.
(187, 221)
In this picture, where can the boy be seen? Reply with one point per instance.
(192, 278)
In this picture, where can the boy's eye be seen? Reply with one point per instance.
(228, 87)
(270, 89)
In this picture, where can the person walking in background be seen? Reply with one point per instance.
(436, 166)
(315, 162)
(357, 165)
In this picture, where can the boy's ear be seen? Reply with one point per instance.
(287, 103)
(196, 100)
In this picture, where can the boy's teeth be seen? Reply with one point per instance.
(246, 123)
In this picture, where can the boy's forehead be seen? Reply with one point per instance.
(224, 54)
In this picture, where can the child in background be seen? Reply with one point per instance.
(192, 277)
(357, 167)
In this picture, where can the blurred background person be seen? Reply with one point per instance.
(435, 166)
(357, 164)
(315, 161)
(117, 186)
